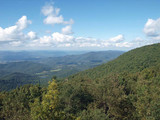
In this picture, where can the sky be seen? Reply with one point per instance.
(78, 24)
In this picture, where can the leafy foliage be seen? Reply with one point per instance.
(15, 104)
(47, 108)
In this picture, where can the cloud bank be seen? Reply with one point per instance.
(152, 30)
(15, 32)
(16, 37)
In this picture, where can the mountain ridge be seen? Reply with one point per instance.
(130, 61)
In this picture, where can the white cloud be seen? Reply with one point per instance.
(8, 34)
(152, 31)
(48, 10)
(52, 15)
(87, 42)
(64, 39)
(15, 43)
(116, 39)
(124, 44)
(59, 40)
(106, 44)
(53, 20)
(23, 22)
(15, 37)
(46, 40)
(88, 39)
(14, 33)
(58, 37)
(156, 38)
(152, 27)
(138, 39)
(67, 30)
(32, 35)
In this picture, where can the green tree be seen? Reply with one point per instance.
(147, 97)
(48, 107)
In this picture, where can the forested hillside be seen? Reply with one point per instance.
(126, 88)
(14, 80)
(132, 61)
(24, 67)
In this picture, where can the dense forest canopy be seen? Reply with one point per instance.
(127, 88)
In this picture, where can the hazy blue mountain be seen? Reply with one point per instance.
(14, 56)
(90, 59)
(44, 69)
(67, 65)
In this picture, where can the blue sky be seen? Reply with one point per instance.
(78, 24)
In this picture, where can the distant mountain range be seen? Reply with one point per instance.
(43, 68)
(16, 56)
